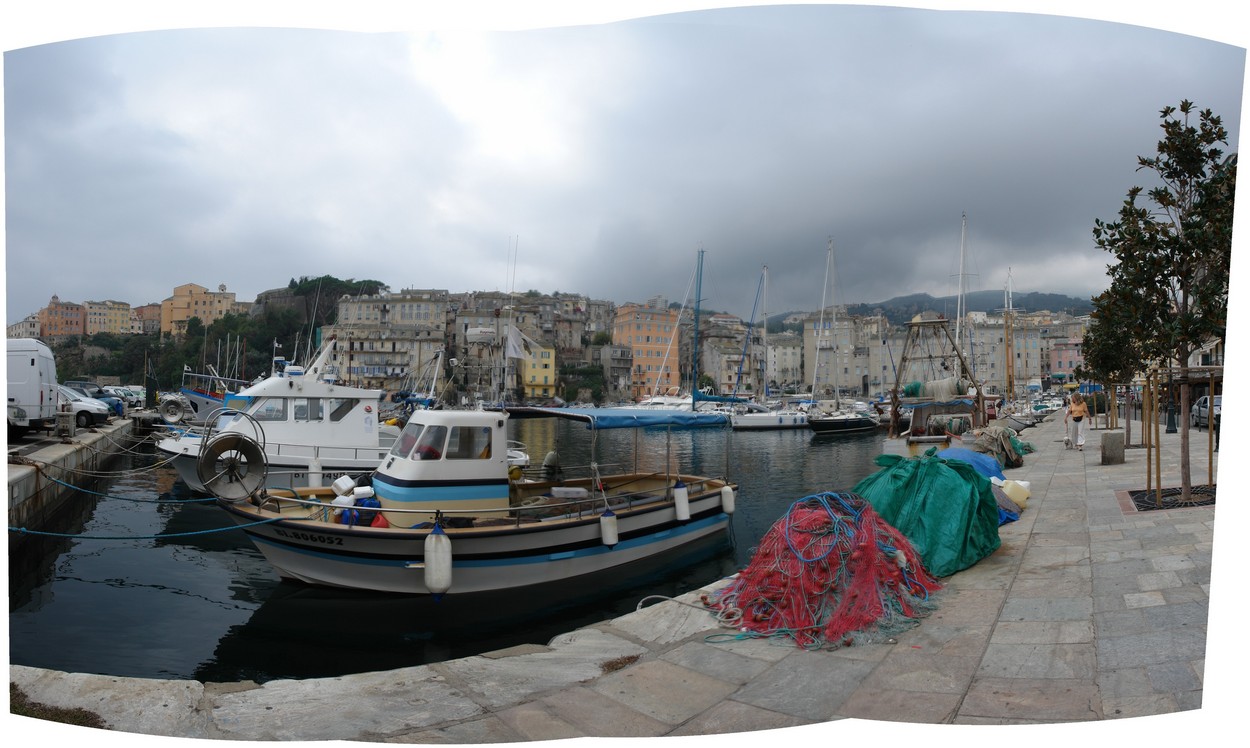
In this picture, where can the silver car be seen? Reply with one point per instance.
(1198, 415)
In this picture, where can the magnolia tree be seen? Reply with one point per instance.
(1169, 282)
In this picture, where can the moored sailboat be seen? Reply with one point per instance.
(833, 418)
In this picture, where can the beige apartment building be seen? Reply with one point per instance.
(106, 316)
(191, 300)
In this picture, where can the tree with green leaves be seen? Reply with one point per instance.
(1173, 256)
(1112, 344)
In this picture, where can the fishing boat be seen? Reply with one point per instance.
(311, 428)
(199, 396)
(933, 383)
(444, 513)
(825, 417)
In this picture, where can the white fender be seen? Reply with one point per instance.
(727, 499)
(437, 561)
(607, 528)
(681, 500)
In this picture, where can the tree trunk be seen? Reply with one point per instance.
(1186, 492)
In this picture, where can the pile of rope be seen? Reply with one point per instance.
(830, 573)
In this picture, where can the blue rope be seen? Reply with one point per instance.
(25, 531)
(127, 498)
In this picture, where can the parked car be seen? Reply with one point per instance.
(88, 411)
(1198, 415)
(95, 391)
(125, 394)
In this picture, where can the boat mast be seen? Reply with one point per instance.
(694, 362)
(1008, 336)
(764, 295)
(959, 303)
(820, 326)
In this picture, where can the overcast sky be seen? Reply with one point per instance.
(598, 157)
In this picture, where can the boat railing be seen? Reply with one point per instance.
(540, 507)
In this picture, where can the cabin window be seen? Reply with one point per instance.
(431, 443)
(339, 408)
(270, 409)
(469, 443)
(307, 409)
(407, 439)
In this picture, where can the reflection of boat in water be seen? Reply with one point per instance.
(356, 631)
(311, 428)
(445, 512)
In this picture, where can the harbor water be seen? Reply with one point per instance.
(146, 579)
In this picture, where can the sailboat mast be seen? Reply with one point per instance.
(1009, 338)
(959, 303)
(694, 362)
(820, 326)
(764, 373)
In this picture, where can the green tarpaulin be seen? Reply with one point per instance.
(944, 507)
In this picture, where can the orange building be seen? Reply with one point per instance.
(61, 319)
(651, 333)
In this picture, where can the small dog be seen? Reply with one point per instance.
(1067, 442)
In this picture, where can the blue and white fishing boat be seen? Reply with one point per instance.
(446, 512)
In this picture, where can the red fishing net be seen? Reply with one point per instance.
(830, 573)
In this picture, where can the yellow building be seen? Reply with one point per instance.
(106, 316)
(538, 372)
(651, 333)
(190, 300)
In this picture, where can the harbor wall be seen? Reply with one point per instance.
(34, 496)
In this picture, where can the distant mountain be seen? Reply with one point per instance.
(901, 309)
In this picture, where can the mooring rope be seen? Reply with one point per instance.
(124, 498)
(25, 531)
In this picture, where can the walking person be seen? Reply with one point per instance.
(1074, 422)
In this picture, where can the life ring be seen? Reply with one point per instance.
(232, 467)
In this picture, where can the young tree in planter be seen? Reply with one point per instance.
(1174, 257)
(1112, 345)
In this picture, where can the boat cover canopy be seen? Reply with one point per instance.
(623, 418)
(944, 507)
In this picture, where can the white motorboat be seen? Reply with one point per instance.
(766, 419)
(312, 429)
(443, 512)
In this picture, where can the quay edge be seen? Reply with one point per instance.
(34, 498)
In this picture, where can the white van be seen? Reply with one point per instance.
(33, 382)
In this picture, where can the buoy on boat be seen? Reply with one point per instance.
(437, 562)
(727, 499)
(681, 501)
(607, 528)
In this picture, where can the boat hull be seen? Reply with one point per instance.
(842, 425)
(768, 421)
(484, 559)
